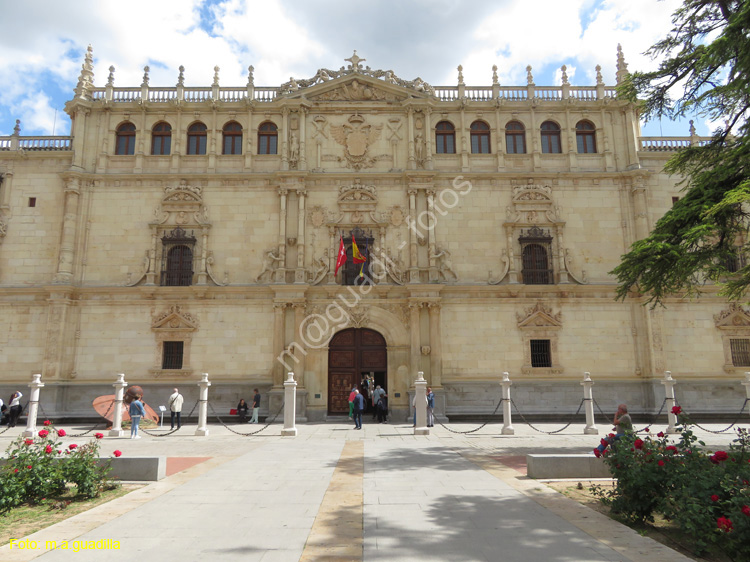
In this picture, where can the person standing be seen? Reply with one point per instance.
(430, 407)
(256, 406)
(359, 406)
(136, 411)
(175, 408)
(377, 394)
(352, 394)
(14, 404)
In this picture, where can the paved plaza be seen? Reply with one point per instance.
(333, 493)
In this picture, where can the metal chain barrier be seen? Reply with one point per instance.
(273, 419)
(171, 431)
(473, 430)
(97, 424)
(644, 429)
(736, 420)
(563, 428)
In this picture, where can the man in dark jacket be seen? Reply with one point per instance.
(359, 407)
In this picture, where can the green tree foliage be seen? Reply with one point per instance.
(706, 58)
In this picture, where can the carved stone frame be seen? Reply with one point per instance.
(733, 323)
(173, 325)
(539, 323)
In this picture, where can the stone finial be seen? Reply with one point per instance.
(355, 61)
(599, 79)
(692, 128)
(250, 76)
(17, 128)
(146, 70)
(86, 78)
(181, 76)
(529, 76)
(460, 69)
(564, 70)
(495, 80)
(622, 66)
(111, 76)
(216, 76)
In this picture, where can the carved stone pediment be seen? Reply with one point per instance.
(732, 318)
(357, 89)
(539, 316)
(357, 197)
(532, 204)
(175, 319)
(182, 205)
(531, 192)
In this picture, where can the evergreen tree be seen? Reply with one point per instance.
(704, 237)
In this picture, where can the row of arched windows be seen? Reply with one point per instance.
(161, 139)
(515, 137)
(445, 138)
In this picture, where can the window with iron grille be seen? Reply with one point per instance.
(740, 352)
(357, 273)
(536, 265)
(541, 354)
(177, 258)
(172, 356)
(735, 263)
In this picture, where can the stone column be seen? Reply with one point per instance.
(414, 323)
(333, 252)
(278, 342)
(7, 182)
(204, 383)
(436, 345)
(413, 259)
(283, 136)
(202, 275)
(290, 406)
(669, 384)
(302, 164)
(78, 132)
(588, 399)
(152, 265)
(746, 384)
(433, 273)
(119, 385)
(281, 269)
(300, 276)
(299, 318)
(66, 257)
(410, 131)
(428, 139)
(563, 277)
(35, 384)
(507, 422)
(641, 215)
(420, 392)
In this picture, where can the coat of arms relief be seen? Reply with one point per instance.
(357, 136)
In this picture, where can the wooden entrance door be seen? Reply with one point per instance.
(351, 354)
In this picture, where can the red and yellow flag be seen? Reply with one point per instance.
(357, 257)
(341, 258)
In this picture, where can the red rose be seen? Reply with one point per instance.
(673, 449)
(59, 451)
(29, 467)
(117, 453)
(714, 498)
(16, 470)
(660, 434)
(611, 435)
(47, 422)
(638, 444)
(724, 524)
(98, 435)
(646, 429)
(746, 510)
(676, 410)
(72, 446)
(29, 441)
(661, 463)
(43, 433)
(604, 442)
(61, 433)
(48, 449)
(721, 456)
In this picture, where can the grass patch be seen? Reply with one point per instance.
(661, 530)
(28, 519)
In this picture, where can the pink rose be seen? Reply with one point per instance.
(48, 449)
(98, 435)
(29, 441)
(43, 433)
(61, 433)
(117, 453)
(47, 422)
(72, 446)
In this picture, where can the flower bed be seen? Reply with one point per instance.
(706, 493)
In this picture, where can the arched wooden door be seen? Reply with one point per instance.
(352, 354)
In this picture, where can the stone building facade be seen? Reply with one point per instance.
(184, 230)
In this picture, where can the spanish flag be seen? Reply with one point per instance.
(356, 256)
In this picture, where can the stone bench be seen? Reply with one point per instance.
(138, 469)
(552, 466)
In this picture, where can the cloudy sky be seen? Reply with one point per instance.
(42, 44)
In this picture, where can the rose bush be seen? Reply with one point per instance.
(39, 469)
(706, 493)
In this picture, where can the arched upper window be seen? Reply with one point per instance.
(586, 137)
(268, 137)
(480, 137)
(161, 138)
(125, 139)
(515, 138)
(232, 138)
(445, 138)
(551, 138)
(196, 135)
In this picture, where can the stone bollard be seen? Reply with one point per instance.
(203, 406)
(290, 406)
(746, 384)
(588, 399)
(507, 422)
(420, 405)
(669, 383)
(35, 384)
(119, 385)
